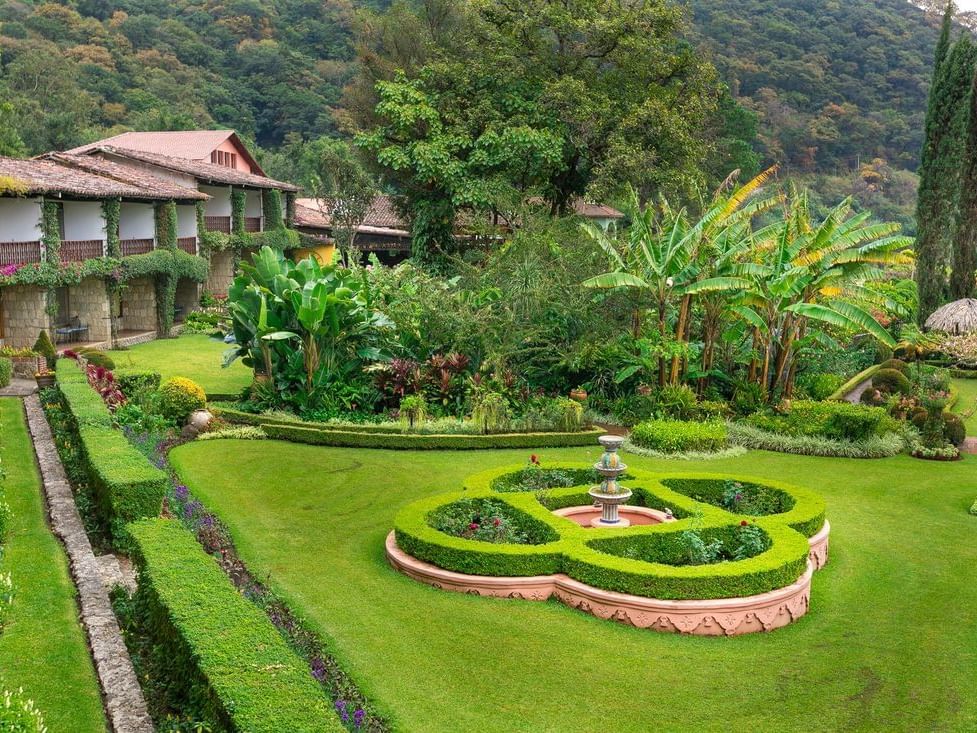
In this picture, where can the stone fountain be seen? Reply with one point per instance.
(610, 495)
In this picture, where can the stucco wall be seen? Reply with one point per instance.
(240, 164)
(186, 221)
(139, 306)
(83, 220)
(221, 273)
(136, 221)
(252, 203)
(20, 220)
(23, 312)
(90, 303)
(220, 201)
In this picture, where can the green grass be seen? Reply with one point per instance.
(890, 643)
(966, 405)
(42, 647)
(195, 356)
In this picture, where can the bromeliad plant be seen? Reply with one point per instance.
(326, 311)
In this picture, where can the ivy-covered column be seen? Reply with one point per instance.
(271, 209)
(111, 211)
(290, 209)
(238, 201)
(51, 231)
(165, 282)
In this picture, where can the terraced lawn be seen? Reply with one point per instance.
(966, 405)
(890, 643)
(195, 356)
(42, 647)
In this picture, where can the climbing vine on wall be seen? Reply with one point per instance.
(166, 225)
(51, 230)
(290, 209)
(271, 209)
(111, 211)
(238, 200)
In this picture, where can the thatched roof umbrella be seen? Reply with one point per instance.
(958, 317)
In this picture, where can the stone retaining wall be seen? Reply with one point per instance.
(24, 314)
(221, 273)
(89, 301)
(139, 305)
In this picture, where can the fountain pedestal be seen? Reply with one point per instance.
(610, 495)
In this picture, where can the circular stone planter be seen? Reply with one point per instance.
(719, 617)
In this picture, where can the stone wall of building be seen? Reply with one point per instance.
(89, 302)
(187, 297)
(221, 273)
(139, 305)
(22, 308)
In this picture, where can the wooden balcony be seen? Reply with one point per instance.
(20, 253)
(187, 244)
(136, 246)
(79, 250)
(252, 223)
(218, 224)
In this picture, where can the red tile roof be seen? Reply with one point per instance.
(595, 211)
(382, 214)
(203, 171)
(189, 144)
(39, 176)
(125, 174)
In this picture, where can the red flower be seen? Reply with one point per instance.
(534, 459)
(497, 522)
(473, 525)
(744, 523)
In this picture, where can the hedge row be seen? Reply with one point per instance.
(223, 661)
(605, 558)
(126, 485)
(356, 439)
(847, 387)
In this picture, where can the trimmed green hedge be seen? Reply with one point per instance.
(221, 656)
(676, 436)
(357, 439)
(605, 558)
(127, 486)
(843, 390)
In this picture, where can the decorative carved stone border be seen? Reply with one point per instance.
(124, 701)
(719, 617)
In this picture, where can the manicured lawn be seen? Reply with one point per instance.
(890, 643)
(195, 356)
(42, 647)
(966, 405)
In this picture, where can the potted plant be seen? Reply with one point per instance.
(578, 395)
(45, 376)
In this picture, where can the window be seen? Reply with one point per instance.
(223, 158)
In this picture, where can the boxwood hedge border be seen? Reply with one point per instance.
(576, 553)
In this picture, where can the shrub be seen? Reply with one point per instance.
(897, 364)
(748, 398)
(558, 414)
(674, 436)
(675, 401)
(18, 714)
(535, 478)
(891, 381)
(244, 432)
(45, 348)
(222, 660)
(179, 396)
(820, 386)
(95, 357)
(954, 429)
(835, 420)
(491, 413)
(135, 382)
(413, 410)
(750, 436)
(490, 520)
(6, 371)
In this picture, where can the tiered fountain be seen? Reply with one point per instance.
(610, 495)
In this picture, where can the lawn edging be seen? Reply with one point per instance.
(127, 486)
(221, 650)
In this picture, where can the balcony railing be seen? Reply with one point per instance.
(79, 250)
(252, 223)
(136, 246)
(187, 244)
(19, 253)
(218, 224)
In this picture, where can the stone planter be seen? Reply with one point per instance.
(45, 380)
(25, 367)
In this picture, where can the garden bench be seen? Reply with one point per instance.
(72, 331)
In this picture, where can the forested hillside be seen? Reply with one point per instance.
(834, 83)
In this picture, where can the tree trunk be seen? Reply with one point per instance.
(680, 336)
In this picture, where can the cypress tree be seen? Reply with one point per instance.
(940, 165)
(965, 236)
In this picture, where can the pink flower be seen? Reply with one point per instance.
(497, 522)
(473, 525)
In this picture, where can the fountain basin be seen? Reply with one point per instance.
(589, 516)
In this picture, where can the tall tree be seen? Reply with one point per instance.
(965, 236)
(940, 165)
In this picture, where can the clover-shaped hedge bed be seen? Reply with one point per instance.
(599, 558)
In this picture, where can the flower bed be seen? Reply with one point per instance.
(640, 561)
